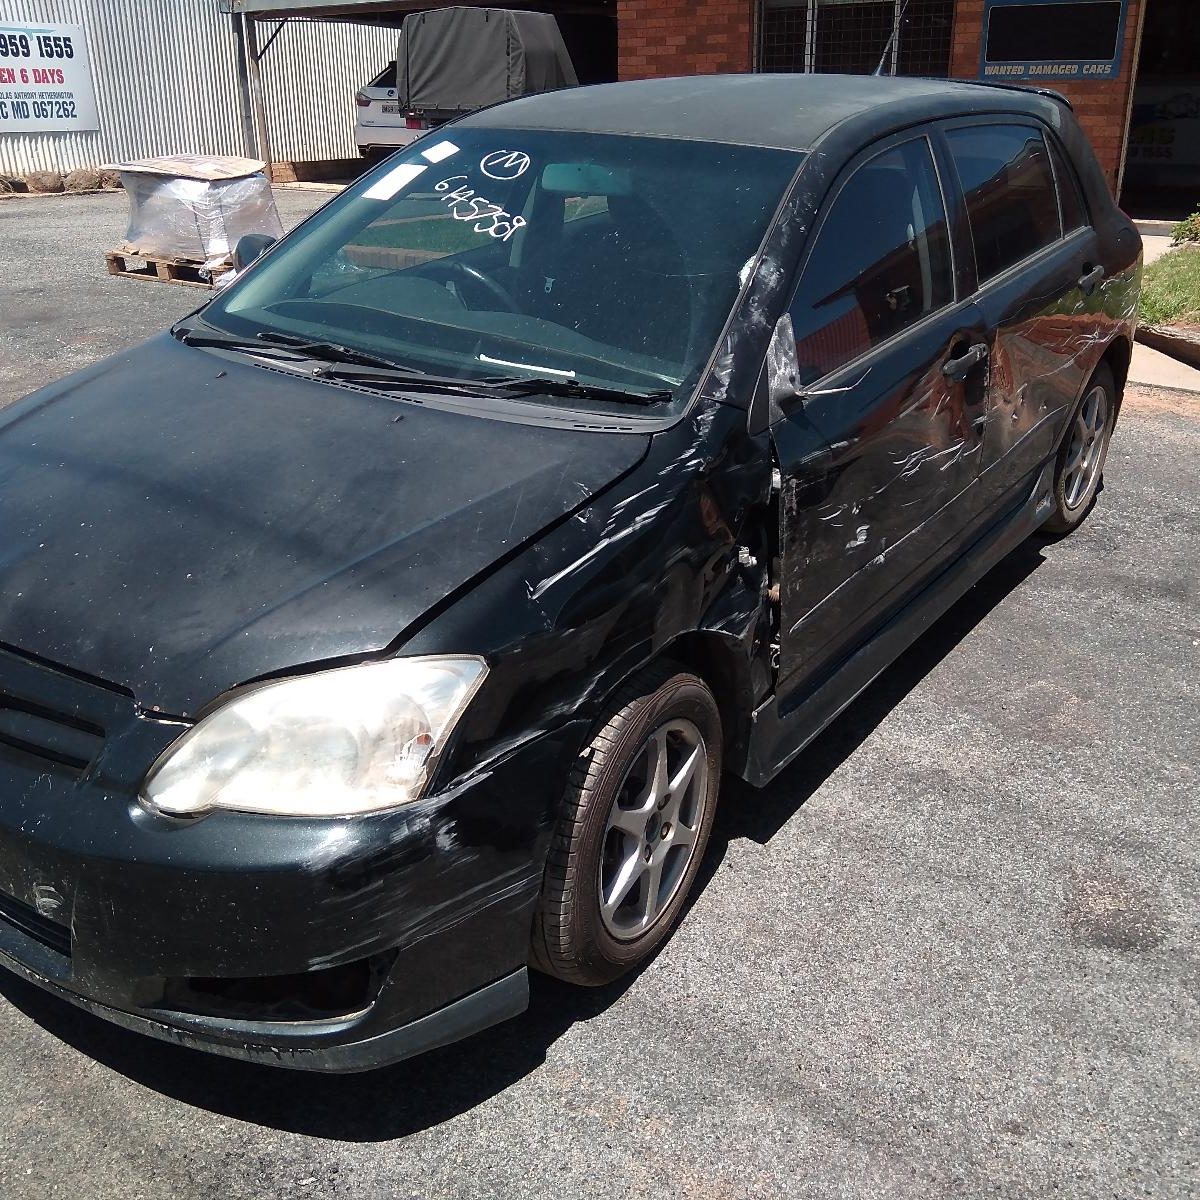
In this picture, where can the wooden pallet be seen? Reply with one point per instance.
(182, 271)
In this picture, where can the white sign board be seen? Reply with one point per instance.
(45, 79)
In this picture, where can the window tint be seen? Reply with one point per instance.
(579, 207)
(1006, 176)
(611, 259)
(881, 261)
(1074, 214)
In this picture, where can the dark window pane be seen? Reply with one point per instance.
(924, 47)
(851, 38)
(881, 261)
(1070, 195)
(784, 38)
(1005, 173)
(1053, 32)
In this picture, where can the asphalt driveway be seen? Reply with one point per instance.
(953, 951)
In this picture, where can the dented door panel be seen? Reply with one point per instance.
(878, 468)
(1047, 338)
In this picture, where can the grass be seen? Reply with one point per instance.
(1171, 288)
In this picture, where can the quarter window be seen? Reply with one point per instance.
(1074, 214)
(1009, 187)
(881, 261)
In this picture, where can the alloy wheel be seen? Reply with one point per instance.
(1086, 450)
(652, 830)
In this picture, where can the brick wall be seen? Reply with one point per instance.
(1100, 104)
(703, 37)
(684, 37)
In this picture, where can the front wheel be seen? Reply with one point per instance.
(1080, 465)
(632, 830)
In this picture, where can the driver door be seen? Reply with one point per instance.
(880, 455)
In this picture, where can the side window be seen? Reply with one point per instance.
(1009, 186)
(881, 261)
(1070, 195)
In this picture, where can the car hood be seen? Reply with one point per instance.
(176, 522)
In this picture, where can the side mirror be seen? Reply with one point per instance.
(783, 368)
(779, 380)
(249, 247)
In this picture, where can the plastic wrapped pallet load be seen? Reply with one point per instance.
(195, 207)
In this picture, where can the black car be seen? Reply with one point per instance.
(386, 626)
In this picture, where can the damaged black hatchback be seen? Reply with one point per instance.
(386, 626)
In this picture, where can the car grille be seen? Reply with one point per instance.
(47, 734)
(54, 715)
(29, 921)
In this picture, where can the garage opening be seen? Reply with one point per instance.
(1162, 166)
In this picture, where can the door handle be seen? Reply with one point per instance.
(1089, 279)
(957, 369)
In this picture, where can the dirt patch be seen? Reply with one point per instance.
(1152, 399)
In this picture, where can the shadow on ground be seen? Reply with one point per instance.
(411, 1096)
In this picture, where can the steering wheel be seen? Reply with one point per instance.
(496, 290)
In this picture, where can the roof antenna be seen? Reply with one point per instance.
(891, 39)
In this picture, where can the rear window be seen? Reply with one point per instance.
(1009, 186)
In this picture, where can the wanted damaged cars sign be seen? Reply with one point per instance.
(45, 79)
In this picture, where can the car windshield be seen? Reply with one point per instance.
(605, 263)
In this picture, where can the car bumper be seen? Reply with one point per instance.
(336, 944)
(277, 1044)
(385, 137)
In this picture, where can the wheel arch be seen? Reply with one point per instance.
(721, 661)
(1118, 356)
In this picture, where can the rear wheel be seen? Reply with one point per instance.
(632, 831)
(1080, 466)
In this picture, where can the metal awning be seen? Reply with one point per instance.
(248, 14)
(375, 10)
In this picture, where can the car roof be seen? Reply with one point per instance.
(789, 112)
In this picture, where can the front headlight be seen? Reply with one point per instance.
(352, 740)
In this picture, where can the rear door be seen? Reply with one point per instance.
(1038, 287)
(879, 456)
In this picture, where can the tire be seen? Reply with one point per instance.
(1079, 470)
(576, 937)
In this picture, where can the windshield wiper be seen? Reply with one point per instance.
(530, 385)
(333, 351)
(269, 343)
(218, 341)
(403, 377)
(522, 385)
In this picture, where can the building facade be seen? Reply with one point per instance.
(170, 75)
(1131, 68)
(163, 79)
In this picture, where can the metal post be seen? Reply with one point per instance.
(245, 107)
(1134, 67)
(258, 102)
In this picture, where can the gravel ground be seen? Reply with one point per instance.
(953, 951)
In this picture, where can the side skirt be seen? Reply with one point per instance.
(776, 738)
